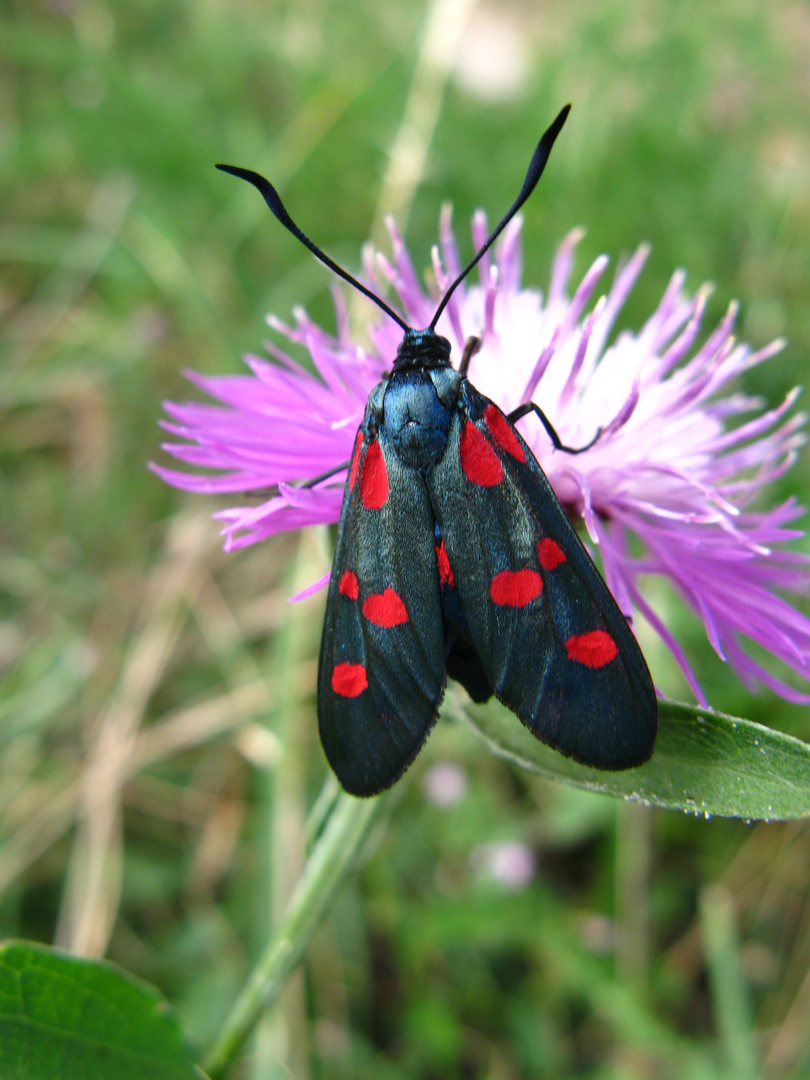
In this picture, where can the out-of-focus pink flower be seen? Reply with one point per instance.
(667, 488)
(445, 784)
(509, 862)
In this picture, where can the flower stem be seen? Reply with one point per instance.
(332, 860)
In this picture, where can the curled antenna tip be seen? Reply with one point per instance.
(535, 171)
(273, 200)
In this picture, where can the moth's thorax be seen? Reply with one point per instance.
(422, 350)
(413, 408)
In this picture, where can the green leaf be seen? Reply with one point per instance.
(62, 1018)
(704, 763)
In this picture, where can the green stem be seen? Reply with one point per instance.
(332, 860)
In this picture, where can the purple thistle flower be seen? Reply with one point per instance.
(665, 489)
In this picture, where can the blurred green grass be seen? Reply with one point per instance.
(159, 753)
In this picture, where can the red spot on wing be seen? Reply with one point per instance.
(594, 649)
(515, 588)
(374, 478)
(349, 680)
(348, 585)
(479, 461)
(355, 459)
(385, 608)
(446, 579)
(550, 554)
(503, 433)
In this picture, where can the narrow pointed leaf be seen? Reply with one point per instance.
(704, 763)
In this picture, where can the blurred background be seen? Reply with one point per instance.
(159, 749)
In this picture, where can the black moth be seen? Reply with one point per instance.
(454, 557)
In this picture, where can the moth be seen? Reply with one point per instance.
(455, 558)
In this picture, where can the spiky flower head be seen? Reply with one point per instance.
(673, 486)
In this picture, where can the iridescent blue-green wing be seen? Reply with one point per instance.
(381, 673)
(547, 633)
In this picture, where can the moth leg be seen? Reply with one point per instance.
(529, 406)
(471, 347)
(271, 492)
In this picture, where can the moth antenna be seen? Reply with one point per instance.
(535, 171)
(273, 200)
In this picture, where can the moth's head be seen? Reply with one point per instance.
(423, 349)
